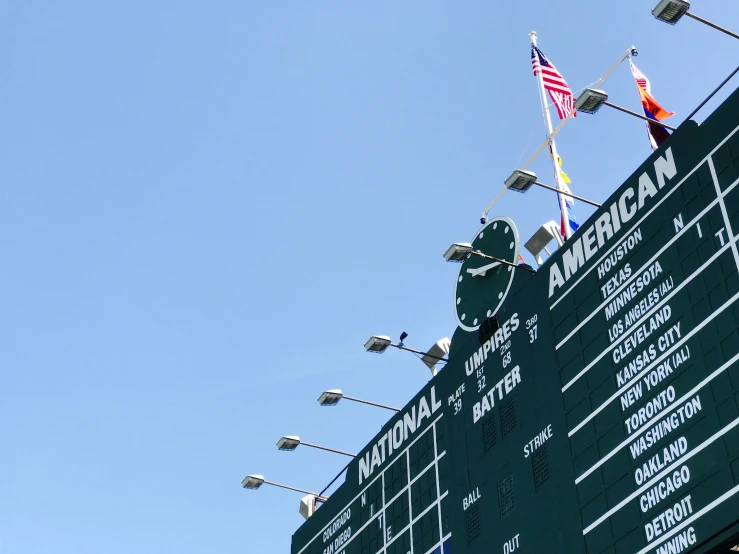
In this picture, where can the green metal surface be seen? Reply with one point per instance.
(602, 415)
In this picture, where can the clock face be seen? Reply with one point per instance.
(482, 284)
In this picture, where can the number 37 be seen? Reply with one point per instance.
(532, 327)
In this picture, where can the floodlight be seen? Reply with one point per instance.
(308, 505)
(591, 100)
(458, 252)
(330, 397)
(288, 443)
(380, 344)
(436, 353)
(538, 243)
(252, 481)
(255, 481)
(377, 345)
(670, 11)
(453, 254)
(520, 180)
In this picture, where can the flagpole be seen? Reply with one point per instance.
(552, 147)
(559, 127)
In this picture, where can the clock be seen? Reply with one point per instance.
(482, 283)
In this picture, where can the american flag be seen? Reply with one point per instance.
(558, 89)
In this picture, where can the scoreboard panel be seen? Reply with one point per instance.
(596, 410)
(647, 341)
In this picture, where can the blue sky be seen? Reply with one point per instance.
(207, 208)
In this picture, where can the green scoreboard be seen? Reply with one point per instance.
(591, 406)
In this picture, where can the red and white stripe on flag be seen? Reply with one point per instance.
(558, 89)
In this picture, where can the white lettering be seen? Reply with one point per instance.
(537, 441)
(487, 402)
(609, 223)
(669, 518)
(406, 425)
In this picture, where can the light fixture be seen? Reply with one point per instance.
(458, 252)
(308, 503)
(290, 443)
(332, 397)
(252, 481)
(520, 180)
(453, 254)
(436, 353)
(379, 344)
(590, 101)
(538, 242)
(376, 344)
(670, 11)
(374, 348)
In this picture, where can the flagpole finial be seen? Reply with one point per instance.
(532, 34)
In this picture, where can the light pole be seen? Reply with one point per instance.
(670, 11)
(253, 482)
(521, 181)
(460, 251)
(332, 397)
(377, 344)
(307, 502)
(290, 443)
(591, 100)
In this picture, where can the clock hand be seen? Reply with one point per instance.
(482, 270)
